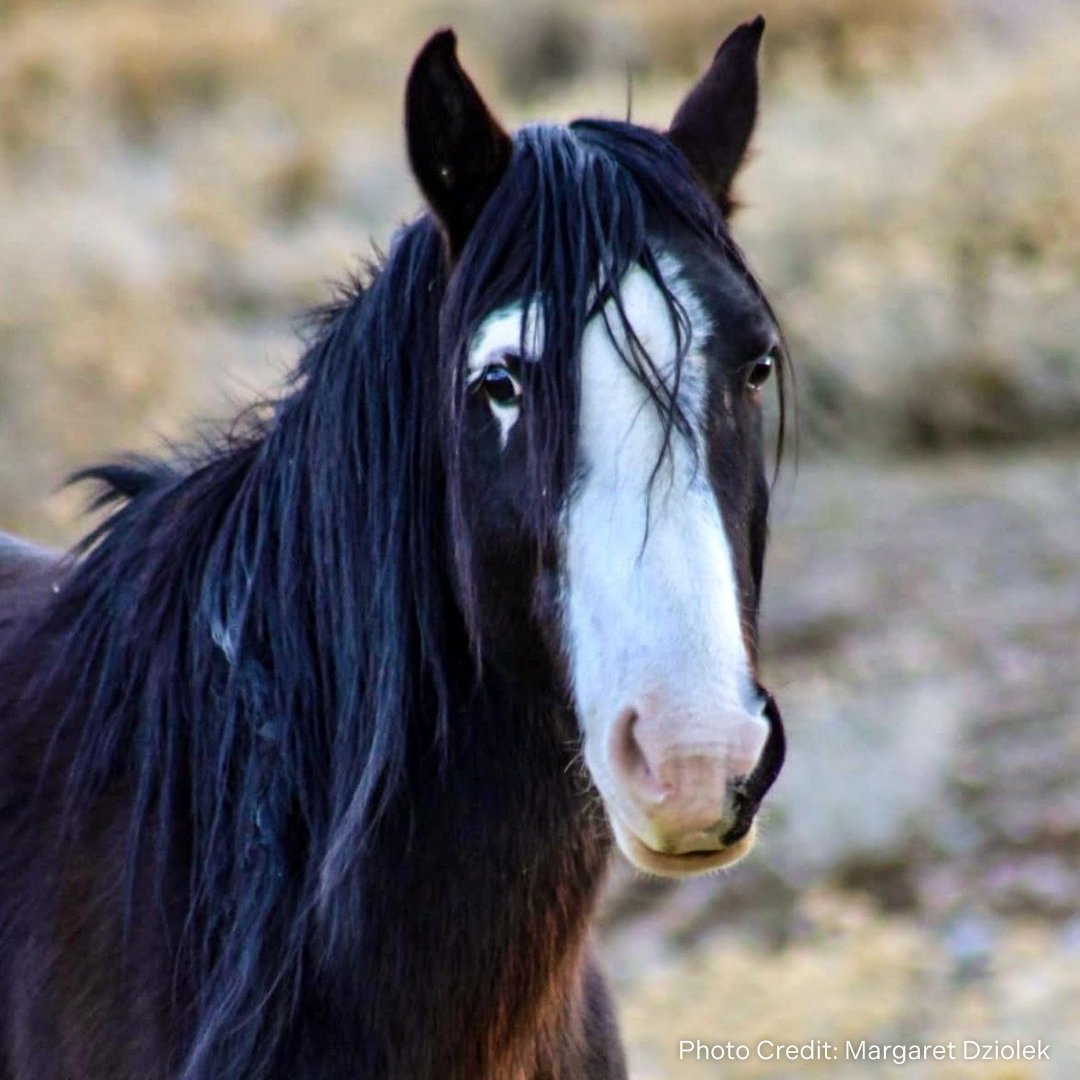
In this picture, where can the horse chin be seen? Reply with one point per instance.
(690, 864)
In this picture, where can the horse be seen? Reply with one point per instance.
(314, 752)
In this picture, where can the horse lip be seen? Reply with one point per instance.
(687, 864)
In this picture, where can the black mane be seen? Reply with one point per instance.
(262, 634)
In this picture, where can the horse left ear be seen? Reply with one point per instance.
(713, 125)
(457, 149)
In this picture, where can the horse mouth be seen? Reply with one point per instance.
(685, 864)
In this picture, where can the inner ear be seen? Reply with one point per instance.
(457, 149)
(713, 125)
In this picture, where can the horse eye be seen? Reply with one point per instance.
(759, 371)
(500, 386)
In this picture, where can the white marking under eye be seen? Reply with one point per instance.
(501, 334)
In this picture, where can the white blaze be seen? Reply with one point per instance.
(654, 611)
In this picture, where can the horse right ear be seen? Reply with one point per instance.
(713, 125)
(457, 149)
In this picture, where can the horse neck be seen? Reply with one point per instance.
(469, 915)
(454, 944)
(458, 929)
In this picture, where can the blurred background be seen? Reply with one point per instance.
(180, 180)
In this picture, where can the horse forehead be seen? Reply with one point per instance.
(650, 310)
(622, 420)
(666, 317)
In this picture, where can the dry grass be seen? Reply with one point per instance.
(846, 40)
(923, 243)
(101, 366)
(913, 205)
(853, 976)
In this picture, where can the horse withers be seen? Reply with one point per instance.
(313, 753)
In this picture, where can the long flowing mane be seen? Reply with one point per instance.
(262, 633)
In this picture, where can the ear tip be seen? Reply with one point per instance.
(446, 38)
(441, 44)
(745, 37)
(437, 56)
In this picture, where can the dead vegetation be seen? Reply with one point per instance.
(913, 204)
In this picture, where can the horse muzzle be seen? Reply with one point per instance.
(686, 791)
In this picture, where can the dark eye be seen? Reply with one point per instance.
(758, 372)
(500, 385)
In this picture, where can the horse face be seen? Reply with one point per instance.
(650, 588)
(640, 594)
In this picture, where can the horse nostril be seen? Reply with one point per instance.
(628, 759)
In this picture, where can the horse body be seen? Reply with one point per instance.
(313, 755)
(414, 995)
(487, 861)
